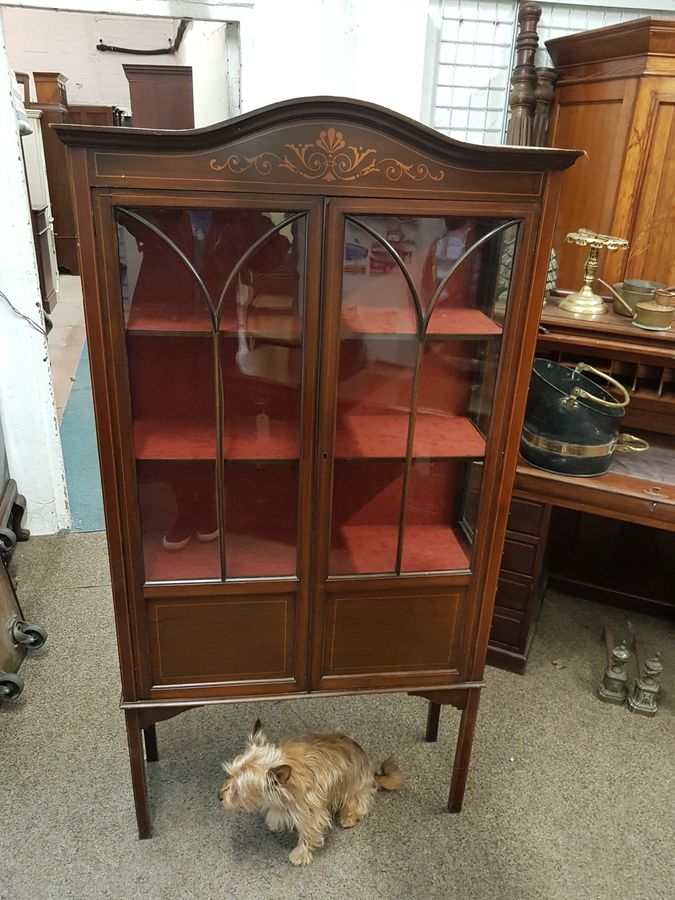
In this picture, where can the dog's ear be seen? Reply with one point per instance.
(257, 735)
(281, 774)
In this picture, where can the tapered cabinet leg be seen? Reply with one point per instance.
(150, 737)
(138, 779)
(460, 769)
(433, 716)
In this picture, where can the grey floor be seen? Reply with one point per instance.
(567, 798)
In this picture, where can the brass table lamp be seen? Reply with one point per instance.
(585, 301)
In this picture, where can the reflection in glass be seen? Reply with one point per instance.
(423, 304)
(213, 306)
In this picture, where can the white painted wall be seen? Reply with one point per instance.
(368, 49)
(204, 48)
(27, 406)
(40, 40)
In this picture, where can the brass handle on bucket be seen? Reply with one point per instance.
(579, 393)
(629, 442)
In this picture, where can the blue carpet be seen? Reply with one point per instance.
(80, 456)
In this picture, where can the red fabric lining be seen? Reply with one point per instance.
(365, 436)
(384, 436)
(371, 549)
(261, 511)
(454, 322)
(197, 440)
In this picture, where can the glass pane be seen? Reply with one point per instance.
(432, 542)
(423, 304)
(261, 516)
(213, 306)
(366, 510)
(178, 519)
(261, 370)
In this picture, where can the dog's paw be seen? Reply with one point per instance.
(301, 856)
(348, 820)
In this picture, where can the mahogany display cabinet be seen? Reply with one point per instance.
(306, 327)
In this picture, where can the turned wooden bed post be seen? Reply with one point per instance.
(524, 77)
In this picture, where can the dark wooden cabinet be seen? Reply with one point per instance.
(615, 99)
(89, 114)
(52, 101)
(521, 585)
(161, 96)
(311, 330)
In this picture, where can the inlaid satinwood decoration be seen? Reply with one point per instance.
(329, 158)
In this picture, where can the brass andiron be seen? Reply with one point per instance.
(642, 700)
(613, 688)
(585, 302)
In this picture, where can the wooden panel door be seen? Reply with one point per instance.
(596, 117)
(650, 167)
(414, 310)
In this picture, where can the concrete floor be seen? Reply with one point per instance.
(66, 339)
(567, 798)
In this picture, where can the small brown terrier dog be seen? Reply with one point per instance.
(301, 784)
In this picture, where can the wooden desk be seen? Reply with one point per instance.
(638, 488)
(562, 529)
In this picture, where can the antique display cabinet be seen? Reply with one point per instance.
(311, 330)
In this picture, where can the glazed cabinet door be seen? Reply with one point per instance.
(216, 309)
(415, 305)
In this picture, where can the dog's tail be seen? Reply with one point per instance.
(390, 777)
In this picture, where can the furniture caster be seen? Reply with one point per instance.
(7, 542)
(32, 637)
(11, 686)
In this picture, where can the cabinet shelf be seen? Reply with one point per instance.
(155, 439)
(358, 436)
(372, 436)
(381, 322)
(199, 561)
(176, 323)
(366, 549)
(357, 323)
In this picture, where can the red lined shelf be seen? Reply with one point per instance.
(154, 439)
(195, 562)
(384, 436)
(358, 436)
(177, 321)
(363, 321)
(371, 549)
(245, 555)
(357, 322)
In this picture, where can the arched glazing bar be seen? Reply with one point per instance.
(214, 314)
(179, 253)
(416, 377)
(417, 305)
(423, 317)
(255, 246)
(441, 286)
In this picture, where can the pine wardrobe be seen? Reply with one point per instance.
(311, 329)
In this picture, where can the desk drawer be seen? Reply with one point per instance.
(507, 629)
(513, 594)
(526, 516)
(519, 557)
